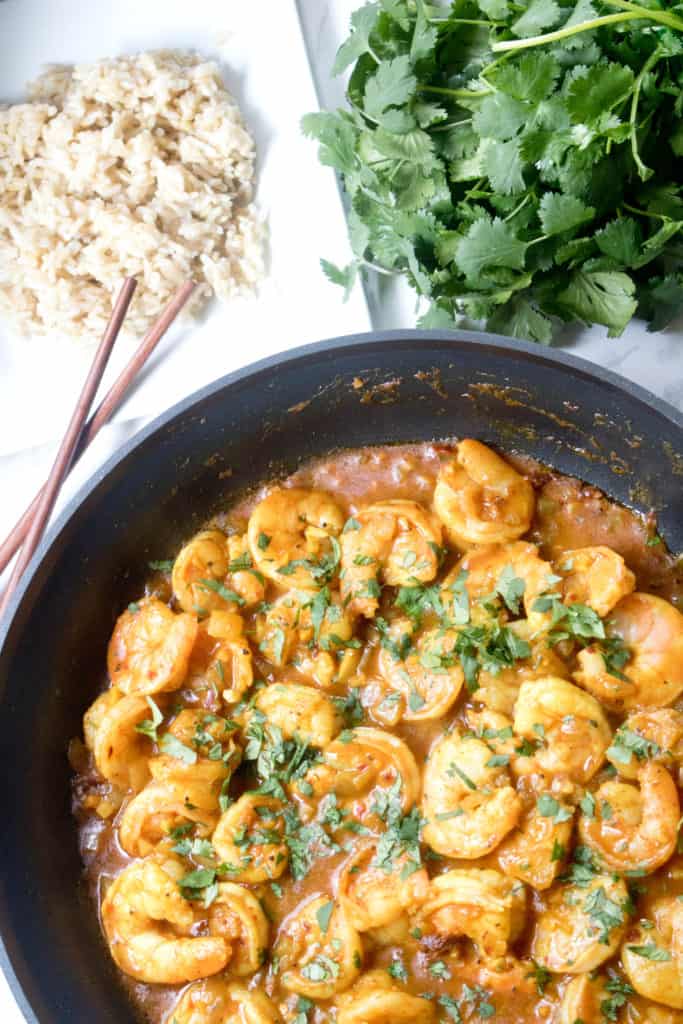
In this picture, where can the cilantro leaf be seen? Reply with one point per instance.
(488, 244)
(560, 213)
(363, 22)
(392, 85)
(600, 298)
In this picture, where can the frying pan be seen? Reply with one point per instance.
(254, 424)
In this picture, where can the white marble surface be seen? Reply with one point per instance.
(654, 361)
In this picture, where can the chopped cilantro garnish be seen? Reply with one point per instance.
(148, 726)
(323, 915)
(219, 588)
(172, 746)
(651, 951)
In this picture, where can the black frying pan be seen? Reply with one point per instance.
(247, 427)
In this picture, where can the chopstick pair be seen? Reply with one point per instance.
(79, 434)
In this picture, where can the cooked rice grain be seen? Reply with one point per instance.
(138, 166)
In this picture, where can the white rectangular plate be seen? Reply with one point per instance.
(261, 53)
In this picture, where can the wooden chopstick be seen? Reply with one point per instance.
(68, 446)
(106, 408)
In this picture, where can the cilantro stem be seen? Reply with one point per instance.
(646, 213)
(663, 17)
(563, 33)
(463, 94)
(643, 171)
(631, 12)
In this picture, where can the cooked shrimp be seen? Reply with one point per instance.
(634, 827)
(597, 577)
(429, 678)
(660, 977)
(149, 926)
(121, 752)
(150, 648)
(652, 630)
(199, 767)
(481, 499)
(374, 895)
(312, 632)
(247, 582)
(150, 816)
(482, 905)
(375, 999)
(318, 950)
(582, 1000)
(364, 761)
(237, 916)
(488, 568)
(300, 711)
(499, 691)
(581, 926)
(292, 537)
(199, 572)
(535, 851)
(249, 838)
(231, 668)
(656, 735)
(396, 542)
(468, 803)
(217, 1001)
(570, 725)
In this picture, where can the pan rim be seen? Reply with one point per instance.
(368, 339)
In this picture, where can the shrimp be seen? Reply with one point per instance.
(374, 895)
(534, 852)
(375, 999)
(198, 766)
(660, 978)
(468, 803)
(249, 838)
(570, 724)
(486, 570)
(247, 582)
(237, 916)
(292, 537)
(656, 735)
(652, 630)
(149, 926)
(314, 632)
(150, 816)
(363, 764)
(480, 904)
(232, 661)
(217, 1001)
(481, 499)
(395, 542)
(120, 751)
(199, 572)
(299, 711)
(319, 952)
(429, 678)
(150, 648)
(582, 1000)
(499, 691)
(597, 577)
(634, 827)
(581, 926)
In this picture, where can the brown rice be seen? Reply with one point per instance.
(139, 165)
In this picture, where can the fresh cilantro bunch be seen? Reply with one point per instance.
(520, 162)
